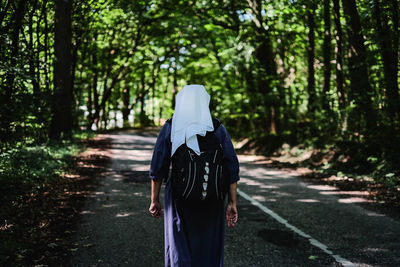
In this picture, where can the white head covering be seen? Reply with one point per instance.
(191, 117)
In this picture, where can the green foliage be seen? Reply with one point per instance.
(385, 172)
(26, 168)
(130, 58)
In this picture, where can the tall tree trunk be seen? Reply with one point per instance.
(95, 116)
(162, 104)
(6, 109)
(265, 54)
(31, 60)
(41, 102)
(89, 106)
(395, 38)
(154, 76)
(327, 55)
(125, 105)
(283, 73)
(389, 58)
(339, 58)
(361, 90)
(175, 79)
(395, 20)
(74, 93)
(46, 49)
(61, 122)
(142, 114)
(312, 96)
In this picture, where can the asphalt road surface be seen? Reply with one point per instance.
(282, 220)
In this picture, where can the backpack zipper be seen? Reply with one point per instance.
(215, 155)
(190, 155)
(188, 180)
(194, 179)
(220, 175)
(216, 181)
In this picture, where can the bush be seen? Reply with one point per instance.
(25, 168)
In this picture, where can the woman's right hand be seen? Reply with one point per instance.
(155, 209)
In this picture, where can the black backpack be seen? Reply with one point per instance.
(200, 178)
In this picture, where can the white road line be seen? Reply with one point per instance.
(314, 242)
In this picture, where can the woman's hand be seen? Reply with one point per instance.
(155, 205)
(231, 210)
(155, 209)
(231, 214)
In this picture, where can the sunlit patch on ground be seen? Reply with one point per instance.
(322, 187)
(124, 214)
(109, 205)
(374, 214)
(308, 200)
(354, 193)
(84, 212)
(353, 200)
(263, 198)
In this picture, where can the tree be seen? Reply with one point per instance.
(388, 42)
(340, 83)
(327, 55)
(312, 94)
(61, 121)
(7, 89)
(361, 90)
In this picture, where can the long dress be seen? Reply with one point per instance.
(194, 235)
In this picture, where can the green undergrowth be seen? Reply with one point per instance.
(27, 167)
(28, 172)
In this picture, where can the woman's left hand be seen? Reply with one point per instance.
(155, 209)
(231, 214)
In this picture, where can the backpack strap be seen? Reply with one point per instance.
(216, 123)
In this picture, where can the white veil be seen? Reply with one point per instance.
(191, 117)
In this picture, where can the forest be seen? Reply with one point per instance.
(318, 73)
(321, 75)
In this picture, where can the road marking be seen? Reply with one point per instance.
(314, 242)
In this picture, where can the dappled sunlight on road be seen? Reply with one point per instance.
(353, 200)
(322, 187)
(124, 214)
(334, 191)
(308, 200)
(249, 158)
(108, 205)
(84, 212)
(271, 184)
(264, 186)
(263, 198)
(374, 214)
(261, 173)
(248, 181)
(360, 193)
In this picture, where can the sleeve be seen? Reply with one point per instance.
(159, 167)
(230, 158)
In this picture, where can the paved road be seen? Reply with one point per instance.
(116, 229)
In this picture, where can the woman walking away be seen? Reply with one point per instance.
(200, 192)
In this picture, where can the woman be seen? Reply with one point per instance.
(194, 234)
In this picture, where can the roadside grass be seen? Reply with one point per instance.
(33, 177)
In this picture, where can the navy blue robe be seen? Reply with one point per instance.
(194, 235)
